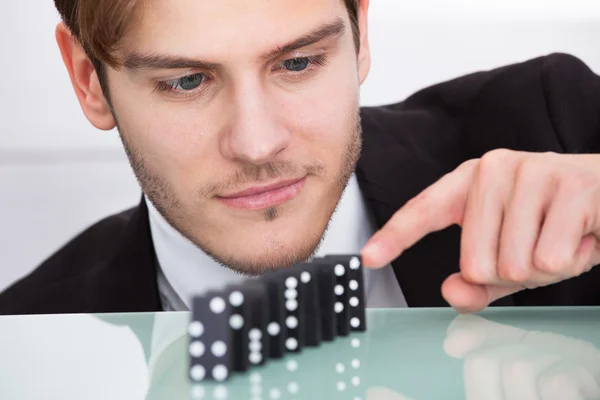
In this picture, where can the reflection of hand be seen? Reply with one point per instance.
(505, 362)
(382, 393)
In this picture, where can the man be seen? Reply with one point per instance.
(242, 123)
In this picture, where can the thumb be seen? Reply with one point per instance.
(588, 252)
(466, 297)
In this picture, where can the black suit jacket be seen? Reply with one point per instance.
(546, 104)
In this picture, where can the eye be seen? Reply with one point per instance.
(183, 84)
(296, 64)
(189, 82)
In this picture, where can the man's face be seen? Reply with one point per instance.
(243, 143)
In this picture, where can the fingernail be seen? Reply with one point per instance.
(371, 251)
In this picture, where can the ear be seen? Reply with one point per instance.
(84, 80)
(364, 54)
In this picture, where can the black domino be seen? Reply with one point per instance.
(239, 322)
(294, 310)
(340, 307)
(275, 288)
(309, 279)
(258, 302)
(245, 325)
(210, 338)
(356, 291)
(326, 281)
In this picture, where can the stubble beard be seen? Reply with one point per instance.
(162, 195)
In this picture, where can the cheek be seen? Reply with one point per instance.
(174, 144)
(323, 116)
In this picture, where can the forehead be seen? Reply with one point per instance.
(221, 28)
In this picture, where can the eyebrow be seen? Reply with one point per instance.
(137, 62)
(333, 29)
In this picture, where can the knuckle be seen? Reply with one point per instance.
(551, 262)
(513, 272)
(473, 272)
(494, 161)
(579, 181)
(532, 170)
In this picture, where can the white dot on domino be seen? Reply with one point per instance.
(355, 380)
(291, 344)
(354, 263)
(274, 394)
(236, 321)
(339, 270)
(339, 367)
(196, 349)
(255, 358)
(355, 343)
(217, 305)
(236, 298)
(353, 285)
(255, 347)
(355, 322)
(355, 363)
(338, 307)
(338, 290)
(219, 348)
(255, 334)
(341, 386)
(291, 322)
(291, 282)
(291, 305)
(220, 373)
(196, 329)
(197, 373)
(291, 294)
(273, 329)
(354, 301)
(305, 277)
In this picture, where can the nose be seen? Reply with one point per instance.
(255, 134)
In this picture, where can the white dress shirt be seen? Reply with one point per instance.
(186, 270)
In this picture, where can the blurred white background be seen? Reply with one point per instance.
(59, 175)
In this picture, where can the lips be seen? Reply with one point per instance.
(260, 197)
(261, 189)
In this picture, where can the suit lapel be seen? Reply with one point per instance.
(127, 282)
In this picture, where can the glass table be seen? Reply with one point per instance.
(417, 354)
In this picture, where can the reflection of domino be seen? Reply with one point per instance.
(282, 312)
(348, 369)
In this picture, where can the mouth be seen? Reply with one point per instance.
(260, 197)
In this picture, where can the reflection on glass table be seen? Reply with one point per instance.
(414, 354)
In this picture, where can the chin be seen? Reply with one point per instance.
(259, 249)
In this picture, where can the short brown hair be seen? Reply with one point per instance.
(100, 25)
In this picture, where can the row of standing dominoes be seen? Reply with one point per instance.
(281, 312)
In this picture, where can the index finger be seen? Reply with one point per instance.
(440, 205)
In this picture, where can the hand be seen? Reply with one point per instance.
(528, 220)
(505, 362)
